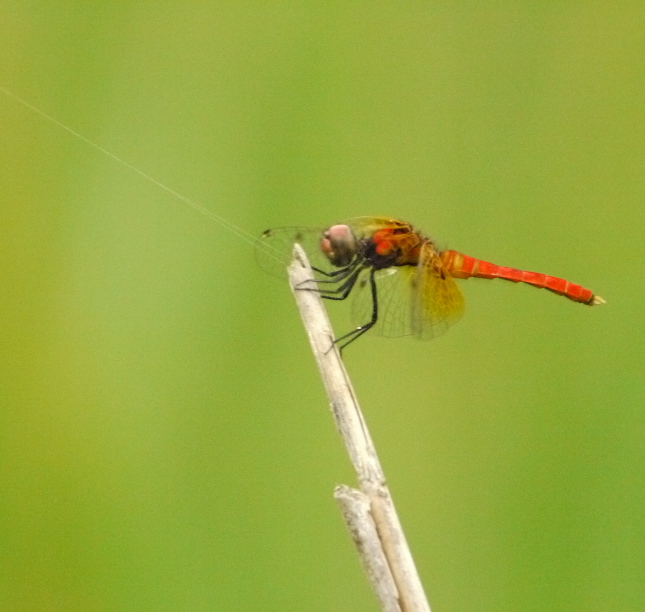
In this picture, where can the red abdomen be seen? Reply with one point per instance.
(464, 266)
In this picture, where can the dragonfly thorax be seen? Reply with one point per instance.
(339, 245)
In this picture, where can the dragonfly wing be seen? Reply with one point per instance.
(436, 302)
(274, 248)
(421, 301)
(391, 287)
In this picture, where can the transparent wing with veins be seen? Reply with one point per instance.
(412, 300)
(274, 249)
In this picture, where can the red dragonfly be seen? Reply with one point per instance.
(404, 285)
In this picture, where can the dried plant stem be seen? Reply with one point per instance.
(370, 510)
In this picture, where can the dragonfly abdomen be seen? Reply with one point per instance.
(464, 266)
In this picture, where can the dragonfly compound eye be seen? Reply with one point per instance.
(339, 245)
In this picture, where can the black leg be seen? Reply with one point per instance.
(339, 272)
(332, 277)
(359, 331)
(347, 278)
(341, 292)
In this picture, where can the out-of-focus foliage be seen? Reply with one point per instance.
(165, 443)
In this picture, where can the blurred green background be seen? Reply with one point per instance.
(165, 442)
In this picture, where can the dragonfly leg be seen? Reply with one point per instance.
(349, 337)
(343, 290)
(342, 272)
(332, 278)
(347, 278)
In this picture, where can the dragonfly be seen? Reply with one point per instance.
(402, 283)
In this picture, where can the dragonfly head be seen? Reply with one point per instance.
(339, 245)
